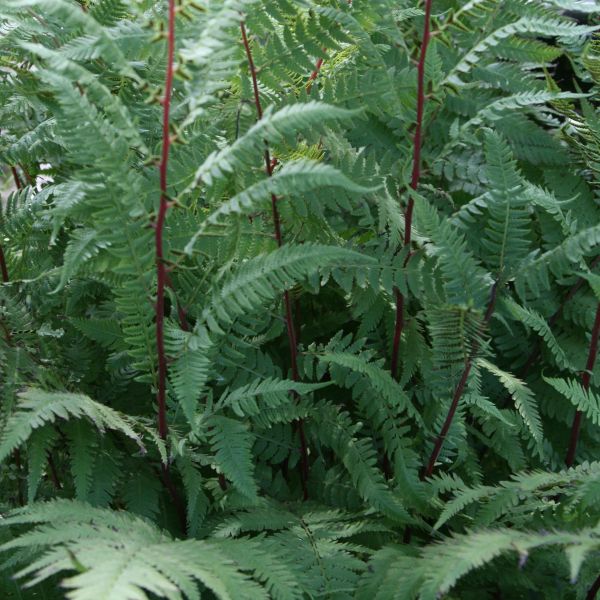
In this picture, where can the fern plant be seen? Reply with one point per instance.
(299, 299)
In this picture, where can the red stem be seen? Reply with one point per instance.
(398, 328)
(586, 377)
(3, 267)
(15, 175)
(163, 278)
(414, 183)
(594, 589)
(289, 314)
(27, 175)
(161, 269)
(458, 392)
(314, 75)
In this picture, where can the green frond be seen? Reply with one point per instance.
(83, 246)
(531, 318)
(583, 400)
(523, 398)
(508, 232)
(287, 461)
(232, 443)
(272, 393)
(544, 27)
(439, 567)
(378, 378)
(191, 368)
(465, 281)
(118, 555)
(37, 408)
(295, 178)
(359, 458)
(274, 127)
(265, 277)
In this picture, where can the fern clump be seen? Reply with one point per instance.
(299, 299)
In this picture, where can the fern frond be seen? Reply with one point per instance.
(119, 555)
(439, 567)
(274, 127)
(37, 408)
(266, 277)
(508, 232)
(232, 443)
(524, 400)
(583, 400)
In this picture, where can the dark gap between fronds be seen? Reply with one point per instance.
(181, 312)
(289, 315)
(8, 338)
(552, 320)
(537, 346)
(414, 183)
(585, 383)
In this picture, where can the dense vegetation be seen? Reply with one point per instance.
(299, 299)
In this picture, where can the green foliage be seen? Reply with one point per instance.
(294, 464)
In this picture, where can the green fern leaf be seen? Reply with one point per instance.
(583, 400)
(37, 408)
(524, 400)
(232, 443)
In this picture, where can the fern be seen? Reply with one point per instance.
(120, 555)
(294, 297)
(440, 566)
(36, 408)
(524, 400)
(583, 400)
(266, 277)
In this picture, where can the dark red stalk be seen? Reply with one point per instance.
(289, 315)
(585, 380)
(415, 178)
(314, 75)
(161, 269)
(27, 175)
(15, 175)
(163, 278)
(594, 589)
(458, 392)
(3, 267)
